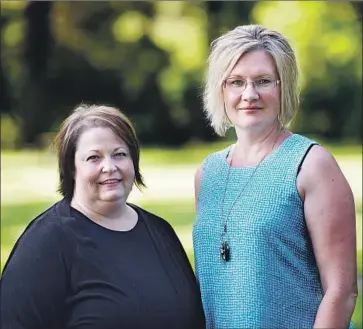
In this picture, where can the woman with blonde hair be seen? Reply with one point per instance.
(274, 236)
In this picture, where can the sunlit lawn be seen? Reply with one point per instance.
(192, 153)
(17, 169)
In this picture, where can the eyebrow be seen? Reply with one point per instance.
(256, 77)
(115, 149)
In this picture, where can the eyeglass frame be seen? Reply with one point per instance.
(273, 80)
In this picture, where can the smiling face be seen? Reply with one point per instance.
(104, 171)
(251, 109)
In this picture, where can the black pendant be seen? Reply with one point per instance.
(225, 251)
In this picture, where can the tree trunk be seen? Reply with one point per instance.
(37, 49)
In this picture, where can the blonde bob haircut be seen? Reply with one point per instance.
(226, 50)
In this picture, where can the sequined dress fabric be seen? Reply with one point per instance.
(271, 280)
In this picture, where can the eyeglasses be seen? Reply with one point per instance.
(238, 85)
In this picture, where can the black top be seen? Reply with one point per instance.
(66, 271)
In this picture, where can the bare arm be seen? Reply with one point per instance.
(330, 217)
(197, 180)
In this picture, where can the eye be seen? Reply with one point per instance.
(120, 154)
(264, 82)
(237, 82)
(93, 158)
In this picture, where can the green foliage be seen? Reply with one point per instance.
(9, 132)
(149, 59)
(328, 47)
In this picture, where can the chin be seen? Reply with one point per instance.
(247, 125)
(112, 197)
(250, 123)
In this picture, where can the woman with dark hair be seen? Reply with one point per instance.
(93, 260)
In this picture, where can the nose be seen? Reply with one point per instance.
(250, 93)
(108, 165)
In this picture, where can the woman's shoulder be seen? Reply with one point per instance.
(295, 138)
(162, 232)
(43, 235)
(151, 217)
(219, 154)
(48, 229)
(214, 158)
(45, 222)
(319, 161)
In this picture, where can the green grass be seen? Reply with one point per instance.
(195, 153)
(179, 214)
(18, 170)
(357, 315)
(14, 219)
(192, 153)
(43, 158)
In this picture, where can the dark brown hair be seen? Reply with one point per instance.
(82, 118)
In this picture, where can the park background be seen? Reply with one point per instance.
(149, 59)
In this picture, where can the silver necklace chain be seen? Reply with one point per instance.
(225, 248)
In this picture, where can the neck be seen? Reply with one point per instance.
(253, 146)
(119, 217)
(100, 210)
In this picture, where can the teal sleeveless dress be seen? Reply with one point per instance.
(271, 279)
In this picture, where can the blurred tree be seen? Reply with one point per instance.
(33, 106)
(149, 59)
(224, 16)
(328, 46)
(358, 6)
(11, 37)
(5, 96)
(5, 92)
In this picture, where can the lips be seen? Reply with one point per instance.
(250, 108)
(110, 181)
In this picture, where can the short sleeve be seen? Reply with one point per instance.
(34, 281)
